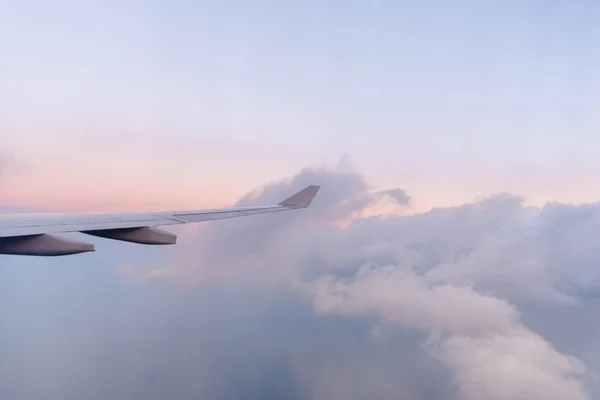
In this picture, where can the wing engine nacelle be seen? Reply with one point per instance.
(43, 245)
(146, 235)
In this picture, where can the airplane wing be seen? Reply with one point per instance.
(35, 234)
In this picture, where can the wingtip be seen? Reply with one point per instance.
(301, 199)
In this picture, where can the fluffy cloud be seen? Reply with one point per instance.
(406, 300)
(518, 365)
(491, 353)
(451, 272)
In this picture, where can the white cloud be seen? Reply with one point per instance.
(405, 299)
(492, 354)
(458, 272)
(516, 366)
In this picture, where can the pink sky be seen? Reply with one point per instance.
(70, 179)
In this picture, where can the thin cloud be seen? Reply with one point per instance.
(10, 163)
(399, 196)
(3, 165)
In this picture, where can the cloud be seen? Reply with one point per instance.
(520, 365)
(399, 196)
(405, 299)
(483, 342)
(10, 163)
(3, 165)
(488, 299)
(457, 272)
(270, 248)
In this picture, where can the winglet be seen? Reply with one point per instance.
(301, 199)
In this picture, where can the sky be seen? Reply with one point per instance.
(122, 105)
(451, 254)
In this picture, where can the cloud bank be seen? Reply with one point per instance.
(489, 300)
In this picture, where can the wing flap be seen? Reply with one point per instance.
(79, 227)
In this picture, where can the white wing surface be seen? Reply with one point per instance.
(35, 234)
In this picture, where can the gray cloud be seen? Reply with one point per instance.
(399, 196)
(487, 299)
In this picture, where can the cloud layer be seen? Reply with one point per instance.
(466, 302)
(450, 273)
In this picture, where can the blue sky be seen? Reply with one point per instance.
(450, 101)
